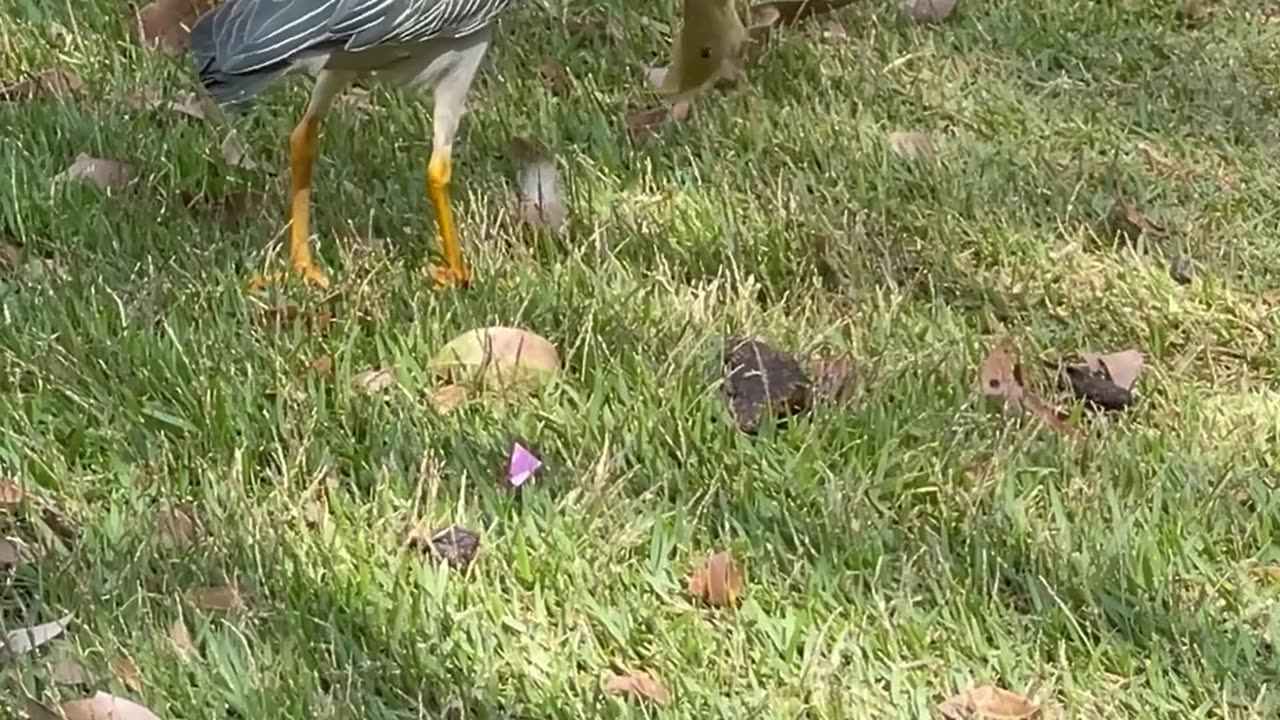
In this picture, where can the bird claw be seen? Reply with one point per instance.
(447, 278)
(310, 275)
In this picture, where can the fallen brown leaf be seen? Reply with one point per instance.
(1193, 13)
(24, 640)
(767, 15)
(67, 670)
(192, 106)
(177, 525)
(455, 545)
(127, 672)
(911, 144)
(761, 381)
(593, 29)
(638, 684)
(166, 24)
(643, 122)
(105, 174)
(219, 598)
(718, 582)
(1121, 367)
(1269, 573)
(54, 83)
(180, 638)
(1129, 221)
(235, 152)
(323, 365)
(371, 382)
(988, 702)
(1000, 378)
(832, 375)
(10, 256)
(447, 399)
(229, 208)
(11, 494)
(927, 11)
(555, 76)
(13, 552)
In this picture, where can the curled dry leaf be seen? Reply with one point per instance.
(235, 152)
(500, 358)
(761, 380)
(219, 598)
(372, 382)
(103, 173)
(718, 582)
(555, 76)
(1122, 368)
(833, 376)
(911, 144)
(1000, 378)
(67, 670)
(13, 552)
(637, 684)
(105, 707)
(448, 398)
(454, 545)
(229, 208)
(24, 640)
(11, 493)
(927, 11)
(166, 24)
(988, 702)
(52, 83)
(644, 122)
(539, 203)
(177, 526)
(180, 639)
(10, 256)
(322, 366)
(768, 15)
(1130, 222)
(707, 48)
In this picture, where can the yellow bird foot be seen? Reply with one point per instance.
(311, 274)
(447, 278)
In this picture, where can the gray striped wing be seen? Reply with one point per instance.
(253, 34)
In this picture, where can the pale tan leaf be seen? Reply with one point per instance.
(555, 76)
(13, 552)
(54, 83)
(166, 24)
(180, 638)
(103, 173)
(911, 144)
(500, 358)
(718, 582)
(177, 525)
(222, 597)
(988, 702)
(371, 382)
(637, 684)
(127, 672)
(106, 707)
(235, 152)
(24, 640)
(323, 365)
(11, 493)
(67, 670)
(447, 399)
(1122, 367)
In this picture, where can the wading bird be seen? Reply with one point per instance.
(242, 46)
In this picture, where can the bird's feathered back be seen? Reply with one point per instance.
(242, 45)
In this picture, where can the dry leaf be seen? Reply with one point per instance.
(180, 638)
(11, 494)
(105, 174)
(127, 672)
(762, 381)
(229, 208)
(177, 525)
(1121, 367)
(501, 358)
(323, 365)
(642, 122)
(767, 15)
(106, 707)
(833, 376)
(166, 24)
(55, 83)
(928, 10)
(10, 256)
(718, 582)
(1129, 221)
(24, 640)
(911, 144)
(988, 702)
(371, 382)
(555, 77)
(1000, 378)
(13, 552)
(235, 152)
(222, 597)
(448, 398)
(67, 670)
(455, 545)
(637, 684)
(192, 106)
(594, 29)
(1269, 573)
(538, 201)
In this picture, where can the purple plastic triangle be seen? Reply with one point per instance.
(522, 466)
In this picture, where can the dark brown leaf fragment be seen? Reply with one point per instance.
(761, 380)
(454, 545)
(54, 83)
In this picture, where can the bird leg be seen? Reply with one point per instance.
(302, 155)
(439, 171)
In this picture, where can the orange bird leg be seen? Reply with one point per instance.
(302, 155)
(439, 171)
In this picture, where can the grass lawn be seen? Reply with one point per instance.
(898, 550)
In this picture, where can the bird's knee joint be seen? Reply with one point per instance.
(303, 138)
(439, 171)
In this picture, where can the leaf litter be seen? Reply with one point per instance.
(454, 545)
(216, 598)
(99, 707)
(103, 173)
(24, 640)
(373, 381)
(761, 380)
(638, 684)
(1000, 379)
(718, 581)
(988, 702)
(13, 552)
(55, 82)
(166, 24)
(928, 11)
(538, 202)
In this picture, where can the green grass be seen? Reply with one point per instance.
(897, 551)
